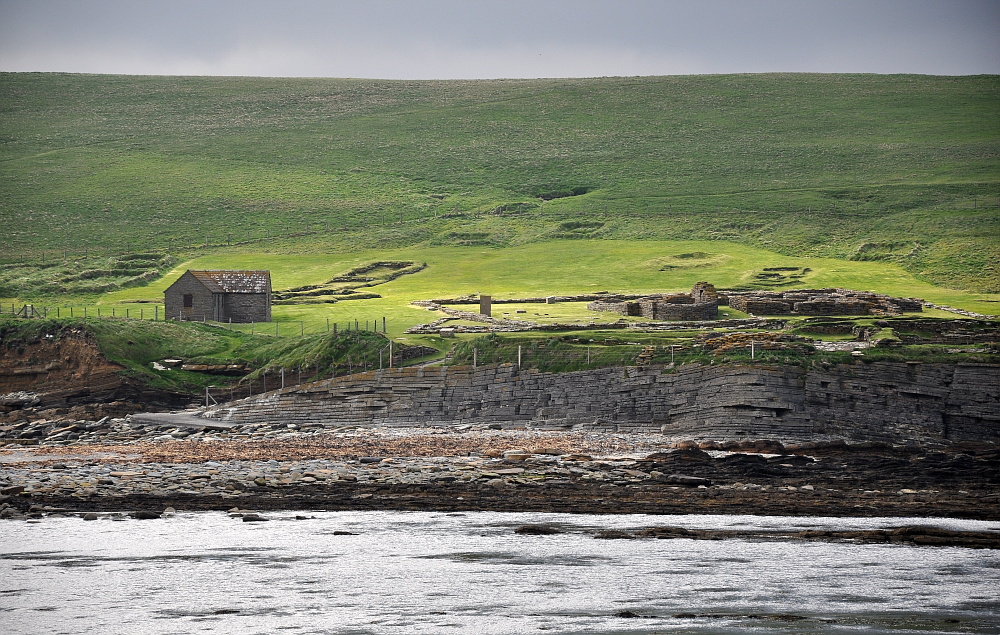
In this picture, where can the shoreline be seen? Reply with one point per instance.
(456, 470)
(550, 499)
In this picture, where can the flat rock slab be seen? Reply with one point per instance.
(181, 420)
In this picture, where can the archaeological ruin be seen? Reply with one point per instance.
(701, 304)
(821, 302)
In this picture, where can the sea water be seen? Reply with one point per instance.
(420, 572)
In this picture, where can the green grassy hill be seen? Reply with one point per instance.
(898, 169)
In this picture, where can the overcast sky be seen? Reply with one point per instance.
(449, 39)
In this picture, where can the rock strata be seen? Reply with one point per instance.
(504, 470)
(873, 401)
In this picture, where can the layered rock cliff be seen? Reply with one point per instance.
(875, 401)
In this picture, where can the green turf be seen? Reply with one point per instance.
(541, 269)
(898, 169)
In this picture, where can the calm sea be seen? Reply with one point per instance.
(412, 573)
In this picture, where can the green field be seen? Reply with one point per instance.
(514, 187)
(550, 268)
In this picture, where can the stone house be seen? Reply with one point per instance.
(220, 296)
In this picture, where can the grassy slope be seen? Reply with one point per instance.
(901, 169)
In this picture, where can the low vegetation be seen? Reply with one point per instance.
(88, 276)
(190, 356)
(895, 169)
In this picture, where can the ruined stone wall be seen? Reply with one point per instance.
(656, 310)
(759, 306)
(951, 332)
(699, 305)
(848, 306)
(879, 401)
(821, 302)
(622, 308)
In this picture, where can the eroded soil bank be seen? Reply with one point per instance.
(68, 377)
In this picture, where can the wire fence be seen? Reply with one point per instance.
(154, 312)
(150, 312)
(570, 354)
(548, 356)
(271, 378)
(556, 357)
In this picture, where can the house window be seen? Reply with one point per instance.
(188, 300)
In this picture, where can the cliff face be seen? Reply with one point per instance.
(879, 401)
(66, 364)
(69, 375)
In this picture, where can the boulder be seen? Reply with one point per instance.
(537, 530)
(684, 479)
(614, 534)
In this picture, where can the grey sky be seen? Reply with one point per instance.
(446, 39)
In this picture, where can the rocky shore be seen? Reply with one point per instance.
(116, 465)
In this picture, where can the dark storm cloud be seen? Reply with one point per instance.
(508, 38)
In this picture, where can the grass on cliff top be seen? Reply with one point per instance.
(892, 168)
(135, 344)
(603, 350)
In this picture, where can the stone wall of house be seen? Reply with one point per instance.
(876, 401)
(203, 307)
(247, 307)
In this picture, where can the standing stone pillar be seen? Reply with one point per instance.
(486, 305)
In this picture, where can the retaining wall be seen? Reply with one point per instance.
(876, 401)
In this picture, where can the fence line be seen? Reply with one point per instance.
(156, 312)
(151, 312)
(530, 356)
(286, 377)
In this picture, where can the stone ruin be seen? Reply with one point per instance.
(821, 302)
(703, 303)
(699, 305)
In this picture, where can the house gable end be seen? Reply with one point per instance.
(218, 295)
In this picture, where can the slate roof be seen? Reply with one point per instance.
(220, 281)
